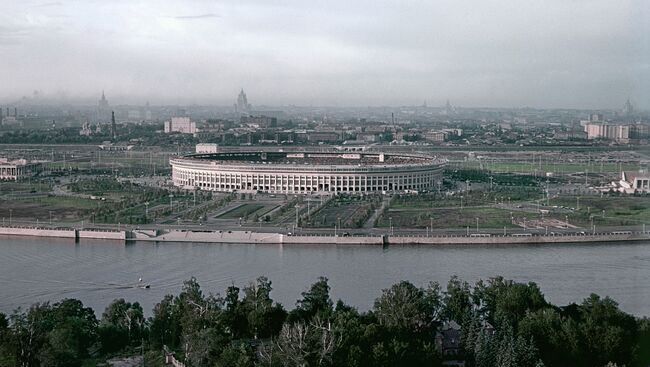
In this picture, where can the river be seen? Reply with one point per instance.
(40, 269)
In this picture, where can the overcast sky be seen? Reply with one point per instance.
(542, 53)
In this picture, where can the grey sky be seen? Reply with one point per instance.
(550, 53)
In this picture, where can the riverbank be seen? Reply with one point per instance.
(251, 237)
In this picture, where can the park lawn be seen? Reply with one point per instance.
(619, 210)
(448, 218)
(471, 198)
(241, 211)
(67, 202)
(347, 210)
(528, 167)
(23, 186)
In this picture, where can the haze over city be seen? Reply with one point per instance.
(563, 54)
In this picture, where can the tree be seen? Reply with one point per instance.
(403, 307)
(506, 299)
(606, 334)
(164, 324)
(316, 301)
(57, 335)
(457, 299)
(264, 318)
(122, 324)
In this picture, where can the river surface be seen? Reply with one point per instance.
(40, 269)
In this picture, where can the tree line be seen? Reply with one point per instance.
(502, 323)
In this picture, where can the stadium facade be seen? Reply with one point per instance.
(306, 172)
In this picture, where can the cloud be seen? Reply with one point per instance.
(198, 16)
(50, 4)
(555, 53)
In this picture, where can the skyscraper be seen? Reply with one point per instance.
(103, 109)
(242, 105)
(628, 108)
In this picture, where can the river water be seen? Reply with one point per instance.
(39, 269)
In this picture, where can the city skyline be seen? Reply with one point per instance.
(585, 55)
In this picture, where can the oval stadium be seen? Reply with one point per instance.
(306, 172)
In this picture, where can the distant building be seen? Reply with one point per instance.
(85, 129)
(133, 115)
(323, 136)
(628, 108)
(448, 341)
(635, 181)
(435, 136)
(17, 169)
(108, 146)
(10, 119)
(570, 135)
(259, 121)
(449, 109)
(103, 109)
(610, 131)
(181, 125)
(596, 117)
(640, 131)
(242, 105)
(207, 148)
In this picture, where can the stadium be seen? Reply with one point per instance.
(306, 172)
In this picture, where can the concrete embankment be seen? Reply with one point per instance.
(278, 238)
(72, 233)
(39, 232)
(518, 239)
(248, 237)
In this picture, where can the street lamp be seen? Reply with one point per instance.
(297, 206)
(11, 211)
(566, 221)
(50, 217)
(431, 225)
(476, 224)
(390, 219)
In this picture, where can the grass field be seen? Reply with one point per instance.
(607, 210)
(243, 210)
(447, 218)
(558, 168)
(350, 212)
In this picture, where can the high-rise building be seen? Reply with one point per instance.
(242, 105)
(628, 108)
(103, 109)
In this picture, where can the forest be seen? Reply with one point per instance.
(496, 322)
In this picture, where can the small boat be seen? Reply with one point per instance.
(144, 286)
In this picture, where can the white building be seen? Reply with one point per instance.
(181, 125)
(207, 148)
(306, 172)
(16, 169)
(610, 131)
(635, 181)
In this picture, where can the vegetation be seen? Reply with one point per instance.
(502, 323)
(352, 211)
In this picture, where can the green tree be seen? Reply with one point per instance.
(458, 301)
(316, 301)
(122, 324)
